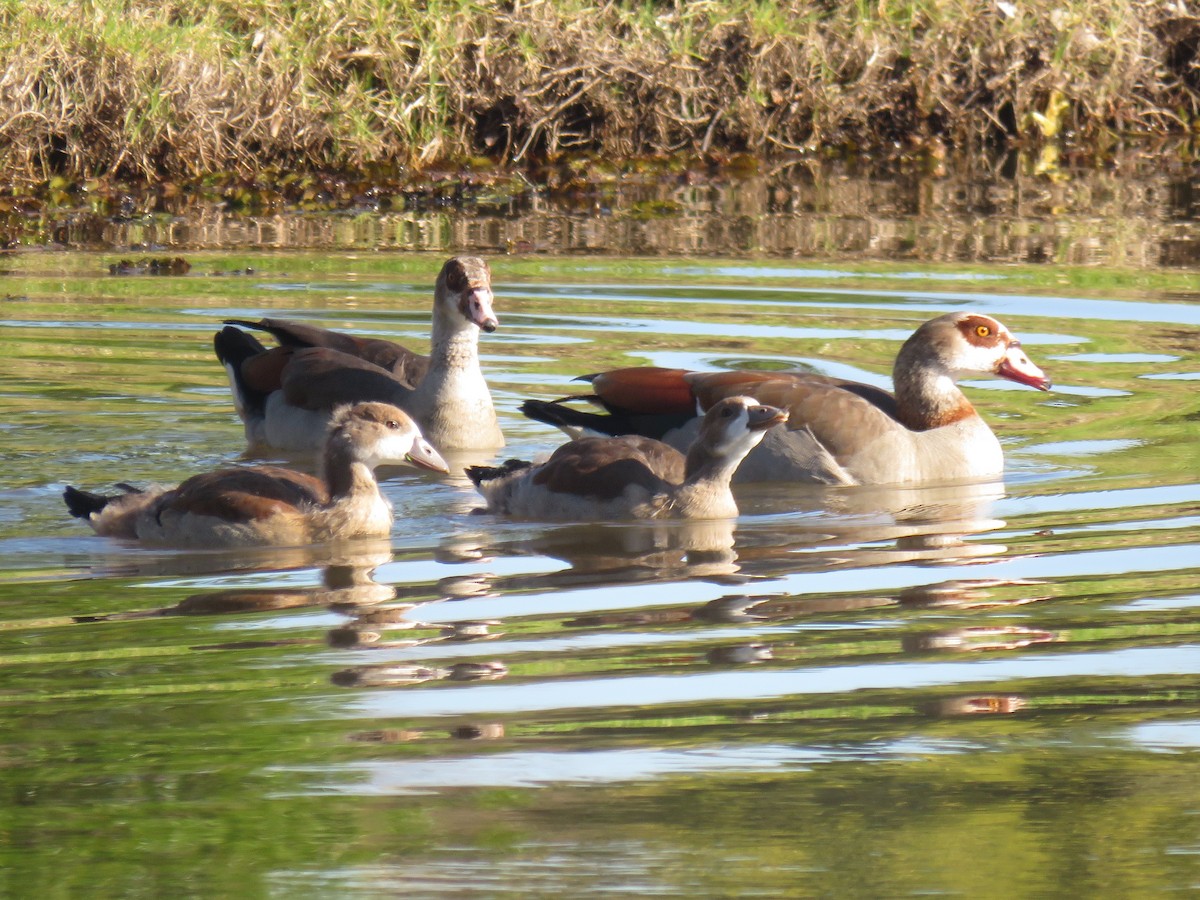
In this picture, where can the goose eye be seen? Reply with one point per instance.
(983, 330)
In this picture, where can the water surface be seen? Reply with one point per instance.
(972, 691)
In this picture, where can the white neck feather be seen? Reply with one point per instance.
(453, 403)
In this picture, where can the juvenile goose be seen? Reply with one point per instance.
(270, 505)
(285, 395)
(633, 477)
(838, 431)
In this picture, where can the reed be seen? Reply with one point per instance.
(188, 87)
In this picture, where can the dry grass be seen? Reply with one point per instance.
(187, 87)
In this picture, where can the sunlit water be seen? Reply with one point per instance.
(985, 691)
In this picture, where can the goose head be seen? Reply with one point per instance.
(377, 434)
(961, 344)
(464, 290)
(733, 427)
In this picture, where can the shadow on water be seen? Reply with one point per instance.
(972, 685)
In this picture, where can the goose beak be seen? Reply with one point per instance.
(476, 306)
(1016, 366)
(423, 456)
(760, 418)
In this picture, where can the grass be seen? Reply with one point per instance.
(185, 88)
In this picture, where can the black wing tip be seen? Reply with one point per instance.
(82, 504)
(481, 474)
(234, 346)
(554, 412)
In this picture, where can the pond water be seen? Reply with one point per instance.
(983, 692)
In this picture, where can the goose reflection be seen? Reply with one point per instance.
(816, 528)
(116, 561)
(977, 638)
(368, 631)
(958, 593)
(786, 530)
(986, 704)
(347, 581)
(740, 654)
(970, 593)
(372, 630)
(471, 731)
(964, 594)
(401, 674)
(597, 554)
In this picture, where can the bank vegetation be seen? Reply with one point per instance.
(168, 89)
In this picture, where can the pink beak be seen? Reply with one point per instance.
(476, 305)
(1016, 366)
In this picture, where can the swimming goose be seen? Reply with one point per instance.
(838, 431)
(633, 477)
(285, 395)
(270, 505)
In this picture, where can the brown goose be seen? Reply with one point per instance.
(270, 505)
(633, 477)
(285, 395)
(838, 431)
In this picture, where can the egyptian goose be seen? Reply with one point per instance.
(285, 395)
(270, 505)
(838, 431)
(633, 477)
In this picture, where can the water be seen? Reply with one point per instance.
(984, 692)
(1139, 211)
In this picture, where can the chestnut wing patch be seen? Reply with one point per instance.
(264, 372)
(644, 389)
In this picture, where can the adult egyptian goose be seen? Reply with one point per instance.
(838, 431)
(270, 505)
(633, 477)
(286, 395)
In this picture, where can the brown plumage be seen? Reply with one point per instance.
(605, 467)
(271, 505)
(405, 365)
(285, 394)
(838, 431)
(633, 477)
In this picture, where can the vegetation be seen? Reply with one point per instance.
(184, 88)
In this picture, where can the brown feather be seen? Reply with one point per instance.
(406, 365)
(836, 411)
(244, 495)
(318, 378)
(605, 467)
